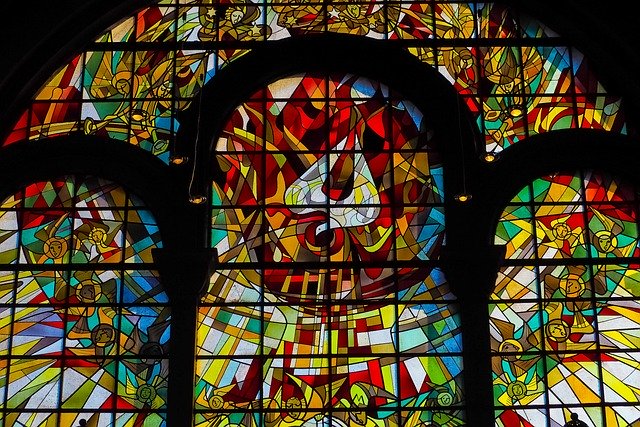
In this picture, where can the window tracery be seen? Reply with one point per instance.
(336, 209)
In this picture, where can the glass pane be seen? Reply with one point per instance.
(73, 336)
(564, 326)
(332, 190)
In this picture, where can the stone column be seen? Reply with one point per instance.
(471, 273)
(185, 276)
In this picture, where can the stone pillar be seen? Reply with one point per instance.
(184, 276)
(471, 273)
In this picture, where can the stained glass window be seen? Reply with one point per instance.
(517, 77)
(565, 311)
(84, 328)
(328, 305)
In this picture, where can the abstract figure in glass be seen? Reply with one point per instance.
(333, 185)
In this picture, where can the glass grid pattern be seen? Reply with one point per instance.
(565, 312)
(517, 77)
(84, 323)
(328, 219)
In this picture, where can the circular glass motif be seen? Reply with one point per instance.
(334, 176)
(327, 211)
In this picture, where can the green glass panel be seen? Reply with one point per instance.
(518, 380)
(109, 75)
(41, 392)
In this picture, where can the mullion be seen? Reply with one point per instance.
(75, 266)
(175, 93)
(262, 255)
(572, 204)
(83, 68)
(535, 299)
(324, 356)
(8, 356)
(424, 206)
(22, 196)
(11, 309)
(72, 410)
(479, 94)
(64, 358)
(542, 352)
(63, 341)
(533, 206)
(432, 12)
(520, 88)
(599, 353)
(405, 43)
(385, 17)
(117, 359)
(324, 15)
(394, 205)
(328, 272)
(67, 279)
(563, 406)
(96, 305)
(573, 92)
(263, 20)
(313, 304)
(544, 262)
(291, 151)
(178, 97)
(130, 99)
(120, 302)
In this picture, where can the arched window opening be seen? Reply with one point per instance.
(328, 305)
(565, 311)
(334, 300)
(84, 327)
(516, 77)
